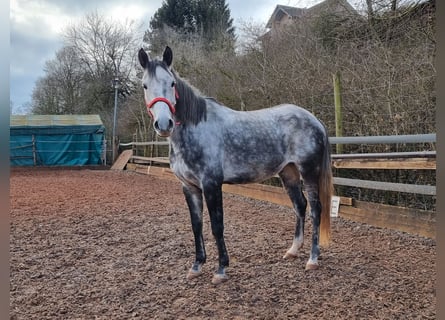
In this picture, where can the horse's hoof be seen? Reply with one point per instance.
(192, 274)
(289, 255)
(219, 278)
(311, 266)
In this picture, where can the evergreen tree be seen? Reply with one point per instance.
(213, 21)
(209, 19)
(177, 14)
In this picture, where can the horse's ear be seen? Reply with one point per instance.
(167, 57)
(143, 58)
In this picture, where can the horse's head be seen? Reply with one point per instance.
(159, 91)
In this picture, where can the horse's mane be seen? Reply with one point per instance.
(190, 105)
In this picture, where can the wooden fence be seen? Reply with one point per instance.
(414, 221)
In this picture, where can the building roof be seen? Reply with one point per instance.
(333, 6)
(32, 120)
(284, 10)
(327, 5)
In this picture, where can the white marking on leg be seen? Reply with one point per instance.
(296, 246)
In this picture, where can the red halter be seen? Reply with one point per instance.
(162, 99)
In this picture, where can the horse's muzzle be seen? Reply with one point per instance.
(164, 127)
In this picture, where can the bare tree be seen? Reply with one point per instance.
(60, 91)
(80, 78)
(105, 48)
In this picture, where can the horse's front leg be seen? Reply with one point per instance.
(213, 196)
(193, 197)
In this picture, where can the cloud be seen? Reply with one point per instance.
(36, 33)
(34, 39)
(36, 30)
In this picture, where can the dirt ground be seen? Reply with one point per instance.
(100, 244)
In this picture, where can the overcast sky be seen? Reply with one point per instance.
(36, 25)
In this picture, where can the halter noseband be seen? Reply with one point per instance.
(165, 100)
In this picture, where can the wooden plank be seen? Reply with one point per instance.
(122, 160)
(405, 164)
(152, 159)
(386, 155)
(346, 201)
(413, 221)
(394, 164)
(271, 194)
(136, 167)
(161, 172)
(388, 186)
(149, 143)
(405, 138)
(260, 192)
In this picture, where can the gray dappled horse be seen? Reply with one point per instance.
(211, 144)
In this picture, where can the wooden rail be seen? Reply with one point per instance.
(387, 186)
(372, 163)
(413, 221)
(408, 138)
(409, 220)
(417, 164)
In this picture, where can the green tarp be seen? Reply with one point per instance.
(56, 140)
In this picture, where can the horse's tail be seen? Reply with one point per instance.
(325, 191)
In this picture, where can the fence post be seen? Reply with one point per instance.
(34, 150)
(338, 110)
(104, 151)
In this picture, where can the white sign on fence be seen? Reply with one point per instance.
(335, 206)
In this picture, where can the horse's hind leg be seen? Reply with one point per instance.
(314, 201)
(292, 183)
(193, 197)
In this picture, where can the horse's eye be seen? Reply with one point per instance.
(173, 83)
(145, 86)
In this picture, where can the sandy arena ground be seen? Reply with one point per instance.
(99, 244)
